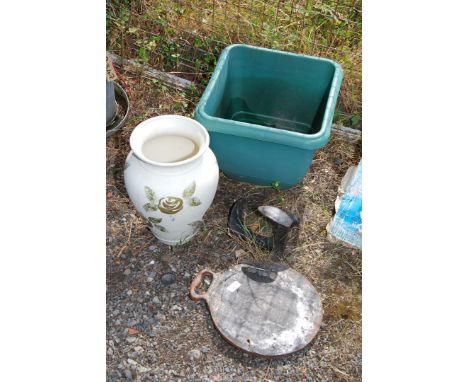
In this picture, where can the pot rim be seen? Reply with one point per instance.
(137, 149)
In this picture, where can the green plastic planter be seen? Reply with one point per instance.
(268, 111)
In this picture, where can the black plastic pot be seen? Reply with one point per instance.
(117, 108)
(111, 105)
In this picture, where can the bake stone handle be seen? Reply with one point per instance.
(196, 283)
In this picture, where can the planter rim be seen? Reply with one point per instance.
(265, 133)
(137, 148)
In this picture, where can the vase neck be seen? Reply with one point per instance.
(170, 125)
(179, 169)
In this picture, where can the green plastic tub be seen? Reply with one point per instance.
(267, 112)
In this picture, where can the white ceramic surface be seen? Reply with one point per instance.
(172, 197)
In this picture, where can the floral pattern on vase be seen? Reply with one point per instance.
(170, 205)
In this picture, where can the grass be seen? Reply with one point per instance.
(186, 38)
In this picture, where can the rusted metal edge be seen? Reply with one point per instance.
(180, 83)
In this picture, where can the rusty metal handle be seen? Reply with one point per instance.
(196, 283)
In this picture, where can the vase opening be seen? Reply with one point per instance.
(169, 140)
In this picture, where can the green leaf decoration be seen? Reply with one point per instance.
(149, 194)
(160, 227)
(196, 224)
(155, 220)
(195, 202)
(150, 206)
(190, 190)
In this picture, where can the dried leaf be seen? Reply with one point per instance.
(133, 331)
(239, 253)
(255, 227)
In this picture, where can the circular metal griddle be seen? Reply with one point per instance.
(268, 310)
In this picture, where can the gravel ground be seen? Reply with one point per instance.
(156, 333)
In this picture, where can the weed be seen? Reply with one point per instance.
(143, 54)
(275, 185)
(187, 37)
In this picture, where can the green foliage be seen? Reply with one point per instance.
(345, 119)
(355, 120)
(187, 38)
(143, 54)
(276, 185)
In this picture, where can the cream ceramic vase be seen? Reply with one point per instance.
(172, 197)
